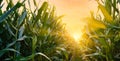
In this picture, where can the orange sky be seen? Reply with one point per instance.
(74, 11)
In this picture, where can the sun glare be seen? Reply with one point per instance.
(76, 37)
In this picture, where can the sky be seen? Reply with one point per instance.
(75, 11)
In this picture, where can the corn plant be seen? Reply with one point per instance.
(30, 34)
(108, 33)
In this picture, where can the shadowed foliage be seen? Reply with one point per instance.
(27, 33)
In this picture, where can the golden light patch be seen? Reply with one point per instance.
(76, 37)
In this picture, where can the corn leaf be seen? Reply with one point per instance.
(105, 12)
(34, 41)
(21, 31)
(2, 17)
(45, 5)
(6, 50)
(22, 17)
(9, 29)
(94, 23)
(35, 3)
(31, 56)
(11, 44)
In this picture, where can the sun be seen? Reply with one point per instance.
(76, 36)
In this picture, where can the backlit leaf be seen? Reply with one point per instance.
(35, 3)
(94, 23)
(105, 12)
(2, 17)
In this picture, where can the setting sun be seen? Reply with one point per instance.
(76, 36)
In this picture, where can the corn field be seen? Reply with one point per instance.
(38, 34)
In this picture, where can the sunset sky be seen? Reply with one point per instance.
(74, 11)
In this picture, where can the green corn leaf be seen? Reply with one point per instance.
(43, 56)
(11, 44)
(34, 41)
(94, 54)
(1, 6)
(52, 13)
(22, 38)
(2, 17)
(105, 13)
(22, 17)
(108, 6)
(31, 56)
(26, 58)
(40, 11)
(21, 31)
(9, 29)
(35, 3)
(45, 18)
(0, 12)
(3, 51)
(45, 5)
(104, 43)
